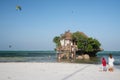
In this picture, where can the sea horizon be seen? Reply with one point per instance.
(51, 50)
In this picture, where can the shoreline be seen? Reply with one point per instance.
(62, 62)
(55, 71)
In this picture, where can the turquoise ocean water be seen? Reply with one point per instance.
(46, 56)
(105, 54)
(28, 56)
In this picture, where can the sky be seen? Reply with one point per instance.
(39, 21)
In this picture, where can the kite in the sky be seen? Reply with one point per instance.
(10, 46)
(18, 8)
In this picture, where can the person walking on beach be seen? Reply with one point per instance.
(111, 61)
(104, 64)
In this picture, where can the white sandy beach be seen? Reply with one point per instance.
(55, 71)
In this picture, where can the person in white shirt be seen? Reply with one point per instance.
(111, 62)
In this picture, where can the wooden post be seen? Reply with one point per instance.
(75, 54)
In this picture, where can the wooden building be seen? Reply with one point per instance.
(68, 47)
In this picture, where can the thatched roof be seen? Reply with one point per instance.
(67, 35)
